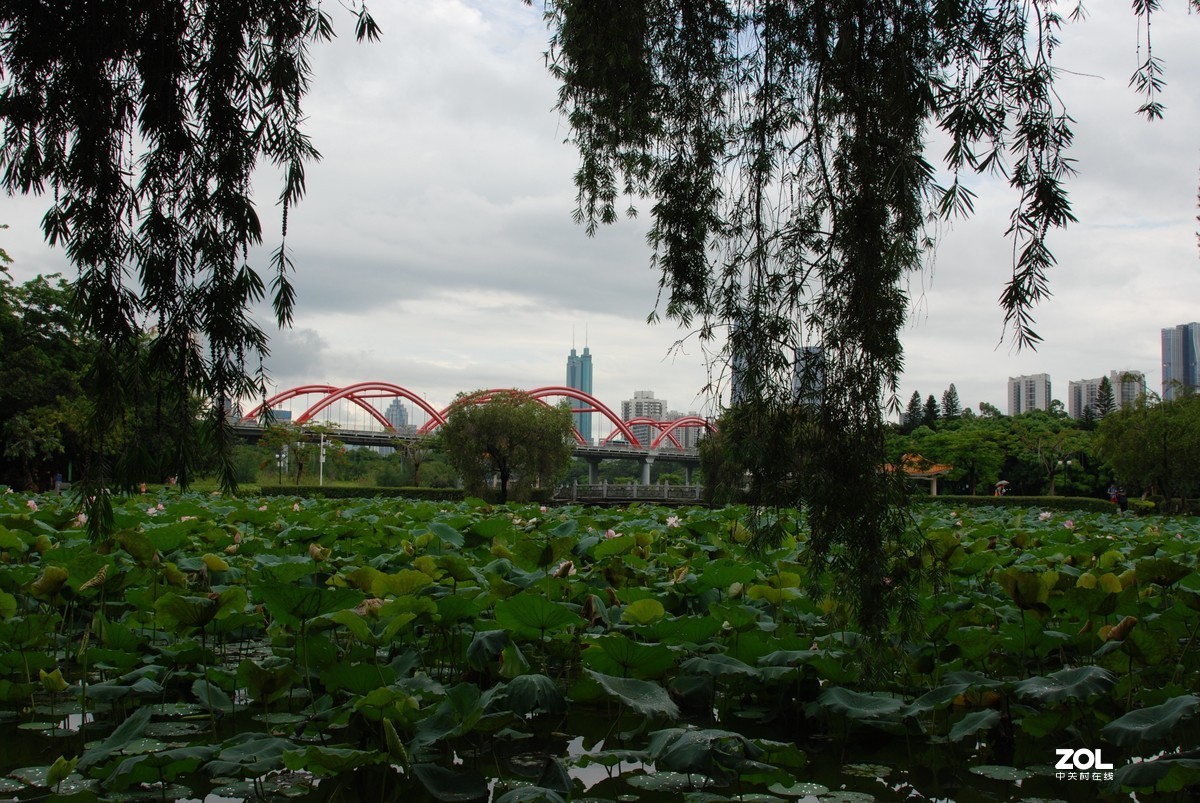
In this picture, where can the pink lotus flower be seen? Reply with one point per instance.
(542, 508)
(81, 520)
(151, 511)
(187, 518)
(1069, 524)
(1045, 515)
(32, 505)
(295, 505)
(159, 506)
(672, 521)
(262, 507)
(611, 533)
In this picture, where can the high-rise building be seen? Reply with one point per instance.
(1180, 359)
(808, 376)
(579, 376)
(688, 437)
(644, 405)
(397, 414)
(1081, 395)
(1128, 386)
(1027, 393)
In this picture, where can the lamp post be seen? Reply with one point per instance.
(279, 463)
(321, 462)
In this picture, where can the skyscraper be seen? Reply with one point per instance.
(1081, 395)
(1180, 359)
(397, 414)
(644, 405)
(1027, 393)
(579, 376)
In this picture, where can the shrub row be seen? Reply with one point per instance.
(359, 491)
(1059, 503)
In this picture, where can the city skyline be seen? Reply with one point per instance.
(441, 215)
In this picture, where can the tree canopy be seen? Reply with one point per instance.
(508, 434)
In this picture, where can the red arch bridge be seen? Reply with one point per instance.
(360, 421)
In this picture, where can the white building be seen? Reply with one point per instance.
(1081, 395)
(1027, 393)
(1128, 387)
(644, 405)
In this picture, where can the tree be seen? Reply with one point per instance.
(930, 415)
(147, 119)
(951, 408)
(1106, 402)
(509, 434)
(914, 414)
(1153, 446)
(1049, 441)
(41, 380)
(300, 443)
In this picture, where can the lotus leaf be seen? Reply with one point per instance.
(159, 766)
(1151, 724)
(456, 785)
(331, 761)
(643, 696)
(125, 733)
(643, 612)
(859, 706)
(1162, 774)
(1000, 773)
(531, 794)
(248, 755)
(1067, 684)
(618, 654)
(531, 615)
(973, 723)
(534, 694)
(717, 754)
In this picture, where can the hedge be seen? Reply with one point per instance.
(1060, 503)
(361, 491)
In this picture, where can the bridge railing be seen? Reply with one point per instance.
(632, 492)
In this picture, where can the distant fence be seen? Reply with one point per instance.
(633, 492)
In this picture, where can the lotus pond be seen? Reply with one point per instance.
(375, 650)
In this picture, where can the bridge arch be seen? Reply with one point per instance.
(688, 421)
(357, 393)
(541, 394)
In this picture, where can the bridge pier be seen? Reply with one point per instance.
(646, 461)
(593, 464)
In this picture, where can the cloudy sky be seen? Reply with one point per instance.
(435, 248)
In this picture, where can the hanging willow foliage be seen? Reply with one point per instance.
(145, 120)
(783, 146)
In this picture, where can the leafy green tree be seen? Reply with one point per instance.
(45, 356)
(976, 450)
(1152, 446)
(1106, 402)
(951, 407)
(509, 434)
(1048, 441)
(301, 443)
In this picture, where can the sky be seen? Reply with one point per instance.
(435, 247)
